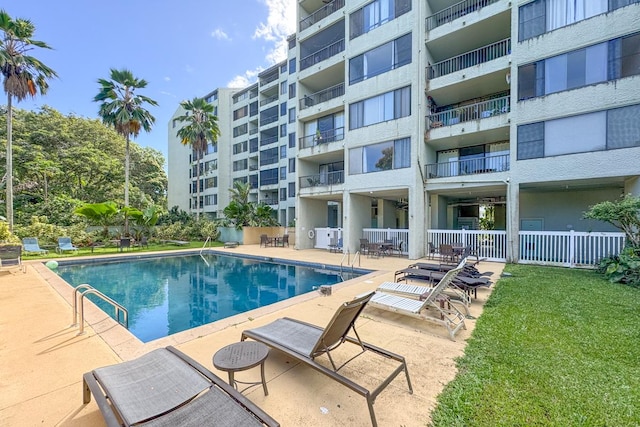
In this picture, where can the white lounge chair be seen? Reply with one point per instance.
(432, 308)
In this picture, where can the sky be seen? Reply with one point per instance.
(183, 49)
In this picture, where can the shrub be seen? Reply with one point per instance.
(623, 268)
(49, 233)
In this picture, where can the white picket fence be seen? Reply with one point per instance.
(486, 244)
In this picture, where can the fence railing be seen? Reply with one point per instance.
(568, 248)
(322, 54)
(455, 11)
(317, 180)
(322, 96)
(465, 113)
(396, 235)
(469, 59)
(486, 244)
(324, 137)
(320, 14)
(487, 164)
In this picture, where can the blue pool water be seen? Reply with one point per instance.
(165, 295)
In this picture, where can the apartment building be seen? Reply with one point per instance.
(416, 117)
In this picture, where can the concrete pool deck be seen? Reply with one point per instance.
(43, 357)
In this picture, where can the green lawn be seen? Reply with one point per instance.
(113, 249)
(553, 347)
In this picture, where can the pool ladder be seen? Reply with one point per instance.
(85, 289)
(203, 246)
(346, 254)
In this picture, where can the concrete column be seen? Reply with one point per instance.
(513, 221)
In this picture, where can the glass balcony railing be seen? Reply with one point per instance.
(486, 164)
(456, 11)
(479, 110)
(322, 179)
(324, 137)
(469, 59)
(322, 54)
(320, 14)
(322, 96)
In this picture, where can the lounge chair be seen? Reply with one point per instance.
(30, 245)
(431, 308)
(64, 244)
(465, 283)
(453, 292)
(305, 342)
(165, 387)
(11, 257)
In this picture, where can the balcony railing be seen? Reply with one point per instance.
(322, 54)
(322, 96)
(480, 110)
(320, 14)
(270, 201)
(487, 164)
(329, 178)
(268, 79)
(268, 100)
(325, 137)
(456, 11)
(269, 119)
(469, 59)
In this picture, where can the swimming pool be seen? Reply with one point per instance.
(169, 294)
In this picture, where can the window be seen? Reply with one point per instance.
(375, 14)
(381, 59)
(292, 140)
(594, 64)
(283, 130)
(269, 156)
(269, 177)
(253, 145)
(292, 165)
(283, 88)
(283, 172)
(173, 123)
(292, 189)
(240, 147)
(283, 68)
(211, 166)
(240, 130)
(388, 106)
(240, 165)
(211, 182)
(283, 194)
(541, 16)
(253, 109)
(292, 65)
(380, 157)
(240, 112)
(283, 109)
(292, 90)
(283, 151)
(292, 115)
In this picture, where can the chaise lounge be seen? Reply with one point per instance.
(30, 245)
(305, 342)
(165, 387)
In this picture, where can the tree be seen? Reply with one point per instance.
(241, 212)
(99, 213)
(123, 109)
(201, 129)
(23, 75)
(624, 214)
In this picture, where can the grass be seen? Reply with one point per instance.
(113, 249)
(553, 347)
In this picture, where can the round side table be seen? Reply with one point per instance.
(241, 356)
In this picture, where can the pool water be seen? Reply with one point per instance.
(165, 295)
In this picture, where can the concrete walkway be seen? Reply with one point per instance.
(42, 358)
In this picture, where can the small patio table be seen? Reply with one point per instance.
(241, 356)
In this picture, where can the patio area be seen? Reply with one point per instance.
(44, 358)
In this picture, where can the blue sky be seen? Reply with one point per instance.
(182, 48)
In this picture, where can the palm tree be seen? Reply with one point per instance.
(201, 128)
(23, 76)
(123, 109)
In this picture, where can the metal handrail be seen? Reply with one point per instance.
(203, 246)
(88, 289)
(455, 11)
(469, 59)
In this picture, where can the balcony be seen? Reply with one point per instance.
(318, 180)
(324, 137)
(322, 54)
(270, 201)
(469, 59)
(321, 13)
(268, 140)
(486, 164)
(456, 11)
(268, 100)
(480, 110)
(270, 77)
(268, 119)
(322, 96)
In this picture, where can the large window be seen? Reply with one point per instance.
(269, 156)
(240, 130)
(388, 106)
(381, 59)
(380, 157)
(594, 64)
(240, 165)
(240, 112)
(541, 16)
(269, 176)
(598, 131)
(375, 14)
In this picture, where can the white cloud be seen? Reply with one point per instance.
(280, 24)
(167, 79)
(220, 35)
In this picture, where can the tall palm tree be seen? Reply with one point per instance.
(201, 128)
(23, 76)
(123, 109)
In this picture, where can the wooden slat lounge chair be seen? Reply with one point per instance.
(168, 388)
(429, 309)
(305, 342)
